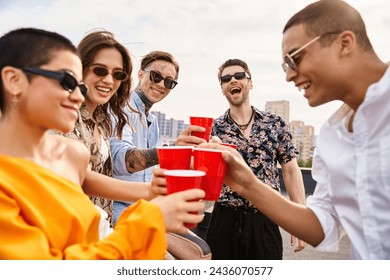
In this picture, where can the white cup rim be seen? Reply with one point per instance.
(184, 173)
(208, 150)
(200, 117)
(176, 147)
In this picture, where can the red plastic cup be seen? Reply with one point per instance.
(211, 162)
(207, 123)
(174, 157)
(181, 180)
(229, 145)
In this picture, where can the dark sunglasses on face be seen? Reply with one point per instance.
(237, 76)
(66, 79)
(101, 71)
(156, 78)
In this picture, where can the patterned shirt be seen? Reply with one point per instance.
(269, 142)
(83, 132)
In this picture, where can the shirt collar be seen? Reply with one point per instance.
(98, 113)
(138, 102)
(140, 106)
(340, 114)
(258, 113)
(344, 110)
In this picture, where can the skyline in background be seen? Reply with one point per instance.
(201, 35)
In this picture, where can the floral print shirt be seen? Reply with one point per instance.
(83, 132)
(270, 143)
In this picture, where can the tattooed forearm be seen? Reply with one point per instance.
(140, 159)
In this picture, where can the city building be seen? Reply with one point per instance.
(281, 108)
(304, 139)
(303, 135)
(170, 129)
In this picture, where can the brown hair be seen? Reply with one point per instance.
(233, 62)
(87, 49)
(159, 55)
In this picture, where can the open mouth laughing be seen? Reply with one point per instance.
(235, 90)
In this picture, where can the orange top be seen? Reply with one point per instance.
(46, 216)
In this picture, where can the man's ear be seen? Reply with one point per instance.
(347, 42)
(140, 74)
(250, 84)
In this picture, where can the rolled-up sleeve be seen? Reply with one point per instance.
(320, 203)
(119, 148)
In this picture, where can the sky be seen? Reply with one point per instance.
(201, 34)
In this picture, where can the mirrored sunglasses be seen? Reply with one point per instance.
(101, 71)
(237, 76)
(156, 78)
(67, 79)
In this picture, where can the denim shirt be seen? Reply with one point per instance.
(139, 136)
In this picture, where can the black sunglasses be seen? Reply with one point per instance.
(101, 71)
(237, 76)
(66, 79)
(156, 78)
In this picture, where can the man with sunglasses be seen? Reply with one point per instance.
(238, 230)
(352, 158)
(135, 155)
(336, 61)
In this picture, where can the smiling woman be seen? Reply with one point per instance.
(44, 212)
(106, 70)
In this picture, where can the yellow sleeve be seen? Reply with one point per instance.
(19, 239)
(138, 235)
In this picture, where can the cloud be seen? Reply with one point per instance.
(201, 34)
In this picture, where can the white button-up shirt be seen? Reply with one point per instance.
(352, 171)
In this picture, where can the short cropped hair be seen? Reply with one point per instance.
(30, 47)
(334, 16)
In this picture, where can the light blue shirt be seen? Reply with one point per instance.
(140, 136)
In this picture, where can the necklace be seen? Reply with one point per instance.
(242, 126)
